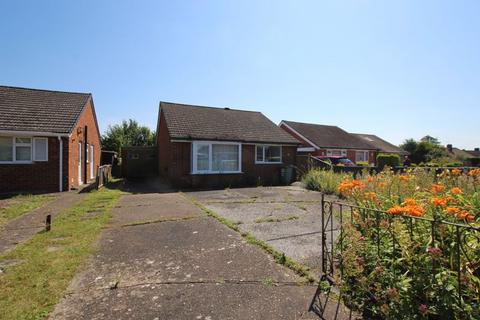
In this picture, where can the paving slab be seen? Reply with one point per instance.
(183, 269)
(26, 226)
(136, 208)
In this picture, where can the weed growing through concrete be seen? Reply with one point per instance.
(280, 258)
(275, 220)
(268, 282)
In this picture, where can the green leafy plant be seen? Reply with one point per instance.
(391, 160)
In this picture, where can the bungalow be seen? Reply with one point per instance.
(212, 147)
(322, 140)
(382, 146)
(49, 140)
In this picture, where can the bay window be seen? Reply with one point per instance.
(23, 149)
(216, 157)
(268, 154)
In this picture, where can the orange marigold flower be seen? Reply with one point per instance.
(348, 186)
(469, 217)
(395, 210)
(415, 210)
(456, 172)
(456, 190)
(439, 202)
(381, 185)
(404, 178)
(453, 210)
(474, 173)
(437, 188)
(410, 202)
(370, 179)
(370, 196)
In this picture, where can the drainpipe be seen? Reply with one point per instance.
(60, 164)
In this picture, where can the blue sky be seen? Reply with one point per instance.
(397, 69)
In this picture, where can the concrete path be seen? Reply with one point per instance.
(163, 258)
(27, 225)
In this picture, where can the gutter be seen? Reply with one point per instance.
(34, 133)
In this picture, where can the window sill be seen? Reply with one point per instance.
(268, 162)
(16, 162)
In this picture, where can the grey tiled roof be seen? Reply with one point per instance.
(329, 136)
(23, 109)
(380, 144)
(206, 123)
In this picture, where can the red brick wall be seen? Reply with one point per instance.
(36, 176)
(78, 136)
(164, 147)
(179, 168)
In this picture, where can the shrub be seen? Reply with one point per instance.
(362, 163)
(323, 180)
(391, 160)
(475, 162)
(454, 164)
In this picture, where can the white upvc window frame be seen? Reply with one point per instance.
(34, 148)
(365, 153)
(343, 152)
(196, 144)
(263, 151)
(14, 150)
(16, 144)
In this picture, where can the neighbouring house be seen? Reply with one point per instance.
(49, 140)
(468, 158)
(216, 147)
(475, 152)
(382, 146)
(321, 140)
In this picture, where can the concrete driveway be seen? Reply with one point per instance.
(163, 258)
(287, 218)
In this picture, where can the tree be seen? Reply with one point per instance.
(425, 150)
(128, 133)
(431, 140)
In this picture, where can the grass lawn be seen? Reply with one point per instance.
(48, 262)
(22, 204)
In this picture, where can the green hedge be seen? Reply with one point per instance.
(362, 163)
(391, 160)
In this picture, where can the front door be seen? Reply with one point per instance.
(80, 180)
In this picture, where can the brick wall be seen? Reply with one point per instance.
(87, 119)
(36, 176)
(179, 168)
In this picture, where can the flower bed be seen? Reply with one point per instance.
(412, 248)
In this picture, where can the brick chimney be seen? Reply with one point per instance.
(450, 148)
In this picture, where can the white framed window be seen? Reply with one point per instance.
(268, 154)
(23, 149)
(216, 157)
(6, 149)
(40, 149)
(16, 149)
(361, 156)
(87, 150)
(336, 152)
